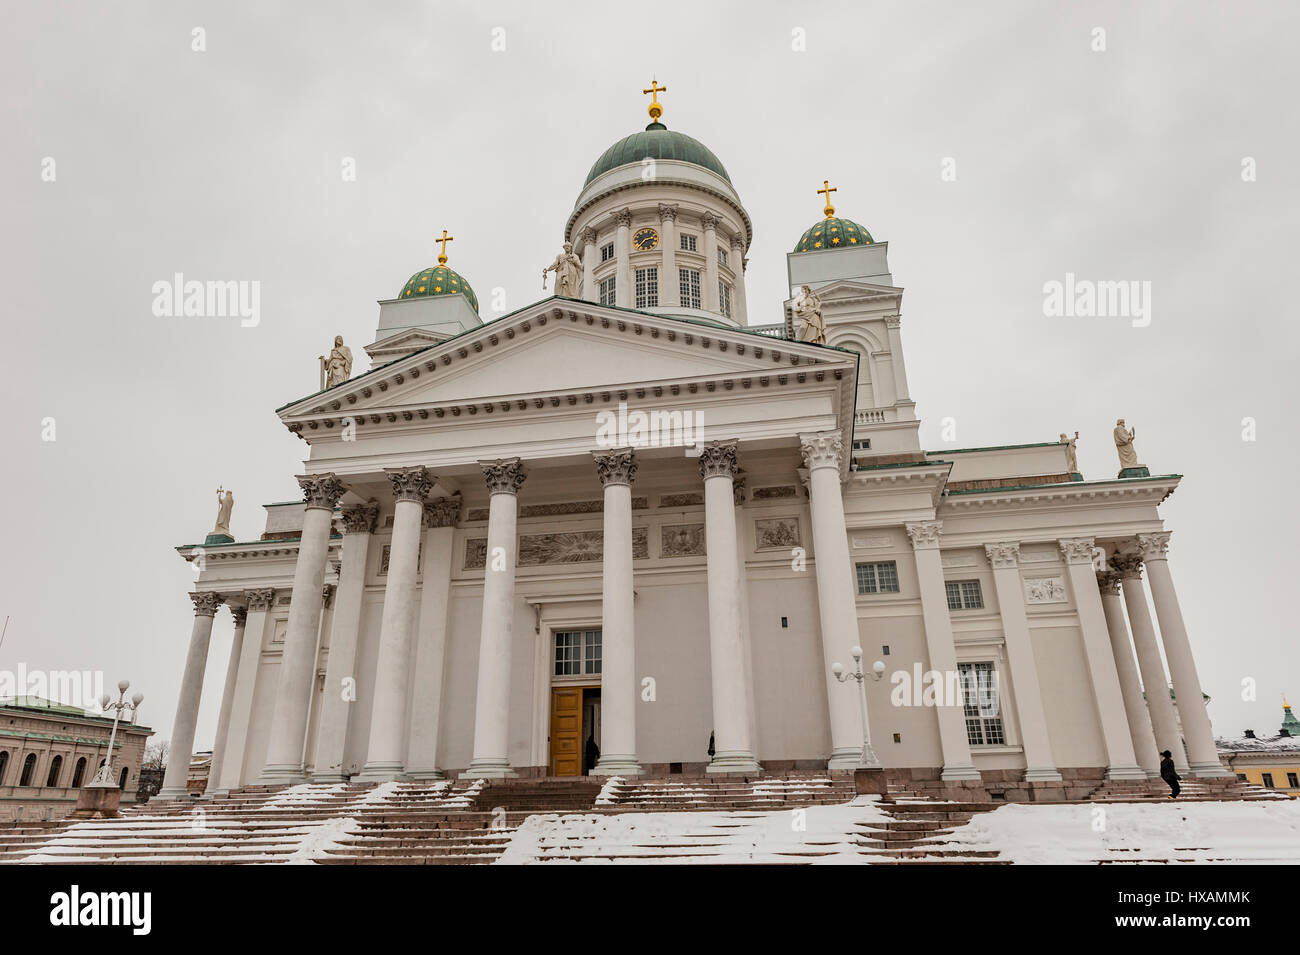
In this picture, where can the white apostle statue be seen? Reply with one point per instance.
(1124, 445)
(1071, 454)
(337, 368)
(225, 504)
(568, 273)
(807, 309)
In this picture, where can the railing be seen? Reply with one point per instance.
(771, 331)
(870, 416)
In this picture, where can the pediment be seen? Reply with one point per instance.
(847, 290)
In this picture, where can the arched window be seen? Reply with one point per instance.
(121, 783)
(4, 764)
(29, 767)
(78, 773)
(52, 779)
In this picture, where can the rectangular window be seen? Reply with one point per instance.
(647, 287)
(981, 704)
(607, 251)
(1268, 780)
(862, 444)
(577, 652)
(690, 286)
(878, 578)
(1293, 780)
(722, 256)
(688, 242)
(607, 290)
(724, 299)
(964, 595)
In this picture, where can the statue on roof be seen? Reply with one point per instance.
(1071, 455)
(225, 504)
(1124, 445)
(568, 273)
(337, 368)
(807, 307)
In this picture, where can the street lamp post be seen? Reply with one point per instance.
(104, 778)
(869, 759)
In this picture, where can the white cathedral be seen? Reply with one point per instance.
(622, 531)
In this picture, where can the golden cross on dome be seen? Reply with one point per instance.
(826, 190)
(655, 89)
(442, 256)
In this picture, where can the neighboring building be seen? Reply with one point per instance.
(1271, 761)
(504, 549)
(48, 751)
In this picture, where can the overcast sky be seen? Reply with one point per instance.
(1122, 164)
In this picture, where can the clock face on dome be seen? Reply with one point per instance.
(645, 240)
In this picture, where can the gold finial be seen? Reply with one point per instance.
(826, 190)
(442, 256)
(655, 89)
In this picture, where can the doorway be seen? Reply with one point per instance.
(575, 729)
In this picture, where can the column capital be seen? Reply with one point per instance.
(1003, 554)
(442, 511)
(823, 449)
(623, 217)
(259, 601)
(360, 518)
(1128, 565)
(206, 603)
(321, 490)
(1108, 582)
(616, 466)
(588, 236)
(893, 321)
(924, 534)
(1154, 546)
(718, 459)
(1077, 550)
(240, 615)
(667, 212)
(410, 484)
(708, 221)
(504, 475)
(738, 243)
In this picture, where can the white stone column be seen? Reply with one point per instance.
(491, 759)
(240, 614)
(669, 288)
(340, 668)
(284, 748)
(892, 325)
(187, 703)
(1203, 755)
(590, 258)
(1039, 765)
(940, 647)
(618, 683)
(623, 258)
(739, 310)
(386, 750)
(710, 297)
(746, 634)
(1164, 724)
(1135, 707)
(1120, 761)
(837, 601)
(732, 753)
(241, 708)
(423, 755)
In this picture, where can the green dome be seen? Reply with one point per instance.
(438, 280)
(657, 141)
(833, 233)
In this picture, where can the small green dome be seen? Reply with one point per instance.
(438, 280)
(657, 141)
(833, 233)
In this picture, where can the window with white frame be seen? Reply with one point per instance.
(722, 256)
(607, 251)
(647, 287)
(880, 577)
(687, 242)
(724, 299)
(981, 704)
(607, 290)
(577, 653)
(964, 595)
(690, 287)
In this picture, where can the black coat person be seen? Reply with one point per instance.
(591, 753)
(1169, 774)
(711, 749)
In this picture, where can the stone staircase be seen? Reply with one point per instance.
(1194, 789)
(759, 792)
(916, 831)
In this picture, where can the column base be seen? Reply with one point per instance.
(328, 778)
(1042, 774)
(959, 772)
(1152, 773)
(848, 758)
(490, 767)
(209, 793)
(281, 775)
(734, 761)
(423, 774)
(385, 772)
(1211, 771)
(173, 792)
(1126, 772)
(617, 765)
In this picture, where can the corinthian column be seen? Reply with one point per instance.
(739, 311)
(732, 752)
(219, 745)
(284, 748)
(940, 647)
(837, 602)
(1154, 684)
(618, 694)
(1202, 753)
(1135, 708)
(1121, 763)
(710, 297)
(241, 709)
(385, 753)
(187, 704)
(623, 259)
(589, 253)
(504, 477)
(1039, 765)
(669, 290)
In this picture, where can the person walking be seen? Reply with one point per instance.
(1169, 774)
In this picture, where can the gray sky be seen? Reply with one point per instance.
(1117, 165)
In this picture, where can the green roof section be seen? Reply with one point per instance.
(438, 280)
(656, 141)
(998, 447)
(1069, 484)
(833, 233)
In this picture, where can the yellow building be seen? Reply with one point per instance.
(1269, 761)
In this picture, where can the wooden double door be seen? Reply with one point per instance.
(575, 717)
